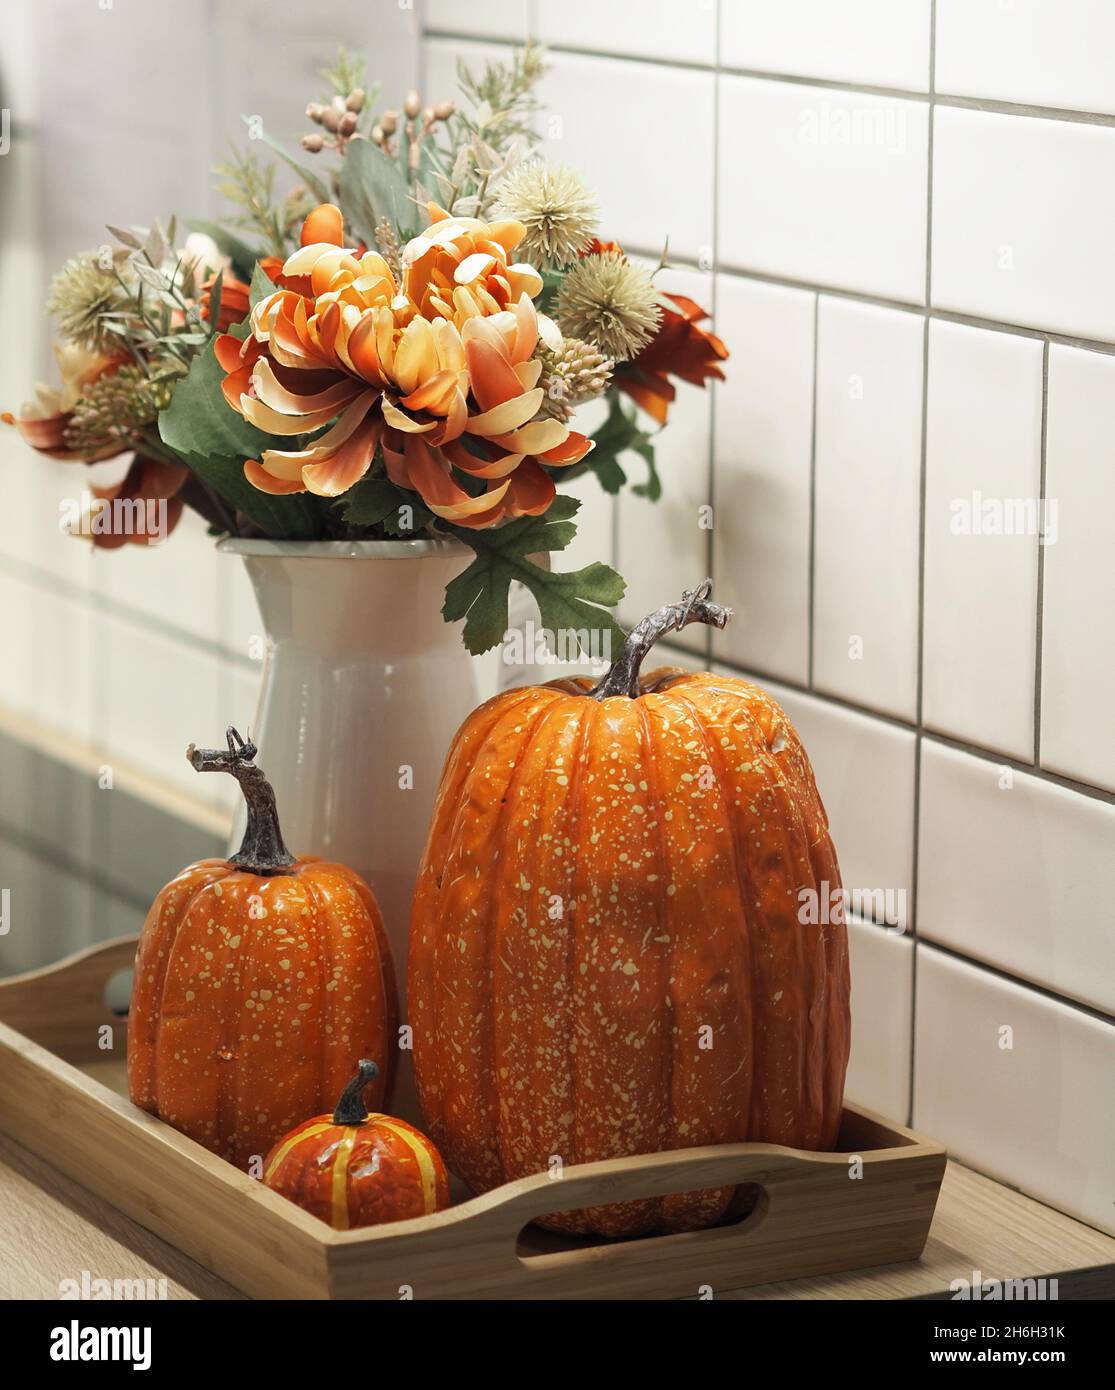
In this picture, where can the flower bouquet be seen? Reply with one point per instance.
(396, 348)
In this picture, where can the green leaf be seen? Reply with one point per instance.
(652, 488)
(378, 500)
(308, 177)
(574, 603)
(373, 186)
(370, 501)
(214, 440)
(199, 421)
(407, 523)
(215, 295)
(619, 433)
(551, 283)
(608, 471)
(262, 285)
(295, 517)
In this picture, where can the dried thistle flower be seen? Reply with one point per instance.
(574, 373)
(556, 208)
(610, 302)
(115, 408)
(389, 249)
(82, 292)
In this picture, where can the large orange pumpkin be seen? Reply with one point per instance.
(260, 982)
(614, 949)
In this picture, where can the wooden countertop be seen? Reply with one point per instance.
(52, 1229)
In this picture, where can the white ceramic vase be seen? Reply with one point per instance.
(364, 685)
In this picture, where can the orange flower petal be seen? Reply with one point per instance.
(348, 464)
(493, 378)
(572, 451)
(263, 481)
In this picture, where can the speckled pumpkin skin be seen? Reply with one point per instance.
(359, 1175)
(605, 952)
(254, 998)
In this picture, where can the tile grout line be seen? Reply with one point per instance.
(992, 106)
(811, 601)
(1039, 622)
(906, 306)
(45, 581)
(714, 278)
(915, 829)
(1051, 995)
(937, 736)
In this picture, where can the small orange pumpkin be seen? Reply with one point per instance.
(353, 1168)
(260, 980)
(610, 951)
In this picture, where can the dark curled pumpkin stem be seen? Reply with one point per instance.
(262, 850)
(351, 1109)
(623, 678)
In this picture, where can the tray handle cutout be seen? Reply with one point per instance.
(769, 1168)
(63, 1006)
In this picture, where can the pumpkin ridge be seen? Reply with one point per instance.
(576, 815)
(422, 966)
(687, 1211)
(163, 939)
(493, 914)
(662, 922)
(811, 1078)
(228, 1104)
(743, 878)
(823, 868)
(322, 956)
(808, 1084)
(388, 986)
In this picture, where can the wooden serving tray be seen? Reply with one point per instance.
(63, 1095)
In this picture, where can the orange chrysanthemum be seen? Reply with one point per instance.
(438, 371)
(44, 424)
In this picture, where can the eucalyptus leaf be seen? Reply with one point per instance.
(125, 237)
(373, 186)
(215, 296)
(262, 285)
(308, 177)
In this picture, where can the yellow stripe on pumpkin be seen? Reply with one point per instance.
(340, 1177)
(426, 1169)
(307, 1133)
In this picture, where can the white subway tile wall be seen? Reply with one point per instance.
(1016, 1084)
(1056, 53)
(919, 297)
(764, 458)
(881, 43)
(866, 517)
(911, 477)
(1078, 603)
(823, 185)
(882, 963)
(982, 485)
(1021, 211)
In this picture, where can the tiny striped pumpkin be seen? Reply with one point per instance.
(353, 1168)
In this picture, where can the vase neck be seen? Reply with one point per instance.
(377, 607)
